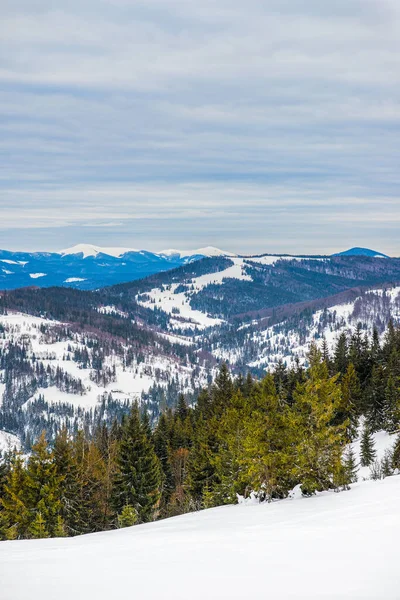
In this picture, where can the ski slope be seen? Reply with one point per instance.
(330, 546)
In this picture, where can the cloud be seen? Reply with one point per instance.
(200, 116)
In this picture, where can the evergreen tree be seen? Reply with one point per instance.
(15, 514)
(319, 442)
(351, 399)
(128, 517)
(341, 355)
(138, 480)
(367, 447)
(350, 466)
(392, 405)
(38, 528)
(162, 449)
(42, 486)
(396, 454)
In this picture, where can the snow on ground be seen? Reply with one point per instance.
(268, 259)
(91, 250)
(130, 381)
(207, 251)
(285, 345)
(328, 547)
(178, 303)
(383, 442)
(112, 310)
(74, 279)
(8, 441)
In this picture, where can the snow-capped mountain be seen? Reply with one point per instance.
(86, 266)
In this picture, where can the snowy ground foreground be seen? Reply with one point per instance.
(327, 547)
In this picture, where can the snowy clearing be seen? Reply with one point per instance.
(8, 441)
(331, 546)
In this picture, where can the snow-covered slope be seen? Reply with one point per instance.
(172, 300)
(329, 547)
(291, 338)
(8, 442)
(53, 375)
(91, 250)
(207, 251)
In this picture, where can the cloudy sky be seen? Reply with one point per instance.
(265, 125)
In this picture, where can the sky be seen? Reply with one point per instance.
(257, 126)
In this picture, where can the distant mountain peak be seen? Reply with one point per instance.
(207, 251)
(361, 252)
(91, 250)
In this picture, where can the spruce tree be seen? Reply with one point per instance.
(396, 454)
(367, 447)
(341, 355)
(128, 517)
(138, 480)
(350, 466)
(319, 442)
(15, 514)
(351, 399)
(391, 420)
(42, 487)
(162, 448)
(37, 529)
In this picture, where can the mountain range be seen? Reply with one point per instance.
(89, 267)
(78, 356)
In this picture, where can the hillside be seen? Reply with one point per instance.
(320, 547)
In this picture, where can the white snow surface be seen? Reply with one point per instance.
(130, 381)
(276, 343)
(207, 251)
(8, 441)
(173, 302)
(74, 279)
(91, 250)
(329, 547)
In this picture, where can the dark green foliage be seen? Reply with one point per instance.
(138, 479)
(368, 452)
(243, 435)
(350, 466)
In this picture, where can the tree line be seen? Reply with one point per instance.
(241, 436)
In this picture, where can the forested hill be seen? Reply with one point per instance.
(225, 288)
(82, 357)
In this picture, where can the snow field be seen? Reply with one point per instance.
(329, 547)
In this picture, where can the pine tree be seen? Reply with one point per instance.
(350, 466)
(341, 355)
(15, 514)
(37, 529)
(396, 454)
(351, 400)
(128, 517)
(367, 447)
(67, 471)
(138, 480)
(319, 442)
(392, 405)
(42, 488)
(376, 399)
(162, 449)
(181, 408)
